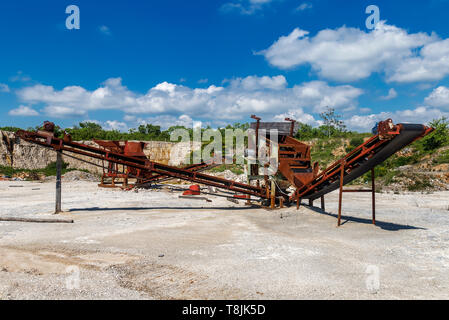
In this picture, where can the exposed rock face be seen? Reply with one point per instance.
(26, 155)
(6, 158)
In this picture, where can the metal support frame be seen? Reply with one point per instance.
(340, 196)
(257, 148)
(58, 207)
(273, 194)
(310, 184)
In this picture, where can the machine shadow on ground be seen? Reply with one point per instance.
(389, 226)
(162, 208)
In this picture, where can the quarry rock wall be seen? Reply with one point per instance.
(26, 155)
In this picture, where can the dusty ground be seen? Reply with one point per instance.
(153, 245)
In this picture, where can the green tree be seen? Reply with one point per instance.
(332, 122)
(438, 138)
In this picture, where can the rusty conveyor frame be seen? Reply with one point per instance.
(64, 145)
(387, 141)
(339, 173)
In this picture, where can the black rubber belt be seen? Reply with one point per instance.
(408, 134)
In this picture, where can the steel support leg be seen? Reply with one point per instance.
(298, 202)
(340, 197)
(373, 186)
(58, 208)
(323, 207)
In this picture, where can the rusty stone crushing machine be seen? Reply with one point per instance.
(295, 167)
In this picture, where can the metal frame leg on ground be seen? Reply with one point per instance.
(340, 196)
(58, 206)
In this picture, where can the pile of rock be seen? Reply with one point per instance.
(229, 175)
(80, 176)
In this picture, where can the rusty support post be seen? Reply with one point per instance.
(340, 196)
(310, 203)
(58, 208)
(322, 204)
(273, 194)
(248, 200)
(298, 201)
(292, 127)
(373, 186)
(257, 146)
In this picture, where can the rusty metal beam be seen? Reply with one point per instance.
(145, 165)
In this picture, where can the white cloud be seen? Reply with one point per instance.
(420, 115)
(235, 101)
(350, 54)
(244, 7)
(432, 63)
(304, 6)
(64, 112)
(115, 125)
(365, 110)
(129, 118)
(76, 101)
(320, 95)
(203, 81)
(167, 121)
(436, 106)
(104, 30)
(299, 115)
(4, 88)
(439, 98)
(251, 83)
(20, 77)
(391, 95)
(23, 111)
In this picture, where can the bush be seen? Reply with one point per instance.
(354, 143)
(403, 161)
(419, 185)
(438, 138)
(379, 172)
(234, 168)
(10, 129)
(442, 158)
(48, 171)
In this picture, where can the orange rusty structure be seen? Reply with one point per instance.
(120, 176)
(295, 168)
(295, 162)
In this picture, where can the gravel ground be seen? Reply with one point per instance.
(153, 245)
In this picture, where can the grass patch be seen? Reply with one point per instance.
(234, 168)
(322, 151)
(442, 158)
(403, 161)
(420, 185)
(354, 143)
(48, 171)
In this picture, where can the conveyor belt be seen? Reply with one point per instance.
(357, 164)
(65, 146)
(389, 140)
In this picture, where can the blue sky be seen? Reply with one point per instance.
(179, 62)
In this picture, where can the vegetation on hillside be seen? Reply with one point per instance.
(48, 171)
(9, 129)
(329, 141)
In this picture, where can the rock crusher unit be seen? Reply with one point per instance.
(115, 175)
(118, 176)
(294, 164)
